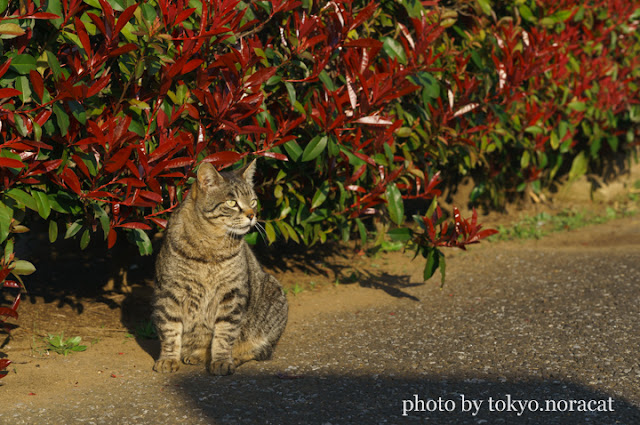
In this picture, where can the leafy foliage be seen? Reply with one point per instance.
(108, 106)
(58, 344)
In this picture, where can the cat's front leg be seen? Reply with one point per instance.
(170, 334)
(226, 331)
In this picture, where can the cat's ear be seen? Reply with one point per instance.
(208, 177)
(248, 172)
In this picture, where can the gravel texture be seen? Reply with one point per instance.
(521, 329)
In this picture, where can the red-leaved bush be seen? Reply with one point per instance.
(107, 107)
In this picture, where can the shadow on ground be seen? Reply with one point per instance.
(291, 399)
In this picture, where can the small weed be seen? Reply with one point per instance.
(543, 224)
(58, 344)
(392, 246)
(146, 330)
(297, 288)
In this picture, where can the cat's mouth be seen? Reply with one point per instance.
(239, 230)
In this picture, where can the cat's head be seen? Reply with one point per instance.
(226, 199)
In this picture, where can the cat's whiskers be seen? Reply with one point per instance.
(262, 232)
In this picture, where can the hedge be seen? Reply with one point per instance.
(108, 107)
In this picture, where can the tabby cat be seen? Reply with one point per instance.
(212, 300)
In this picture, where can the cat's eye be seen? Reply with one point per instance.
(253, 203)
(231, 203)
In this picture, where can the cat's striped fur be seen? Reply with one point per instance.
(212, 300)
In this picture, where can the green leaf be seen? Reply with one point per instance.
(362, 230)
(54, 65)
(524, 160)
(394, 50)
(433, 261)
(8, 250)
(22, 64)
(314, 148)
(6, 214)
(401, 234)
(326, 80)
(23, 198)
(526, 13)
(42, 202)
(73, 229)
(61, 118)
(395, 205)
(22, 84)
(53, 231)
(270, 231)
(578, 166)
(577, 106)
(293, 149)
(251, 238)
(485, 5)
(85, 239)
(142, 240)
(562, 15)
(292, 92)
(103, 217)
(320, 196)
(22, 268)
(78, 111)
(3, 5)
(291, 231)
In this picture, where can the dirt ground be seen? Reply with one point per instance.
(326, 288)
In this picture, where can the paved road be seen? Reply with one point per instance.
(539, 332)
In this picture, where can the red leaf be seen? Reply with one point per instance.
(11, 284)
(124, 18)
(81, 31)
(8, 92)
(364, 42)
(122, 50)
(4, 363)
(152, 196)
(135, 225)
(8, 312)
(108, 11)
(37, 82)
(97, 194)
(98, 22)
(223, 158)
(191, 65)
(274, 155)
(111, 239)
(485, 233)
(43, 116)
(356, 188)
(159, 221)
(5, 67)
(117, 161)
(183, 15)
(179, 162)
(71, 180)
(99, 85)
(131, 181)
(42, 15)
(261, 76)
(11, 163)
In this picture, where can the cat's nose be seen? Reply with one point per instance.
(250, 214)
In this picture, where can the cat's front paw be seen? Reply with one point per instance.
(166, 365)
(221, 367)
(193, 359)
